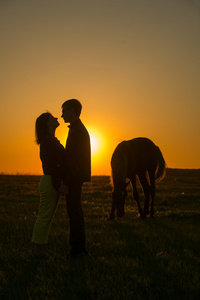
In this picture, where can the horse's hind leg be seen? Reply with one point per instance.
(112, 213)
(136, 196)
(152, 191)
(146, 190)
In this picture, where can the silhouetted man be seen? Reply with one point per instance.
(78, 171)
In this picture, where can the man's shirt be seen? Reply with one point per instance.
(78, 154)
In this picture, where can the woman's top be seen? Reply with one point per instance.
(52, 157)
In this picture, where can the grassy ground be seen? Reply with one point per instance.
(129, 258)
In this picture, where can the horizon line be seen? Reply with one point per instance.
(31, 174)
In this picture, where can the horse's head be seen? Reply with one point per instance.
(118, 197)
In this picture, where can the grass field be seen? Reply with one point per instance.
(130, 258)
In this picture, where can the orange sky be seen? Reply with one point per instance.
(134, 65)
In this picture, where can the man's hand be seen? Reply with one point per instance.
(63, 190)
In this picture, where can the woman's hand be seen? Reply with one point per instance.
(63, 189)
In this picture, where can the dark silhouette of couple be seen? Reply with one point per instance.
(65, 170)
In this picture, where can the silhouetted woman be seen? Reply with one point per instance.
(52, 157)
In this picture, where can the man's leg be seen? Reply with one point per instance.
(76, 219)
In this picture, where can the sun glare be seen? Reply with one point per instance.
(96, 142)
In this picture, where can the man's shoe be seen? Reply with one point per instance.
(79, 253)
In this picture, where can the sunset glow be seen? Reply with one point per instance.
(97, 143)
(134, 66)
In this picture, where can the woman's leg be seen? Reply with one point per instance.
(48, 205)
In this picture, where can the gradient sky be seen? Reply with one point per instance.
(134, 65)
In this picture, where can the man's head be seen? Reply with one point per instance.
(71, 110)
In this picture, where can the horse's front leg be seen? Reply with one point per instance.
(152, 207)
(136, 196)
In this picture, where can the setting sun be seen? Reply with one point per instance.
(96, 142)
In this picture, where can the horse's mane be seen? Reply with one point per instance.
(119, 164)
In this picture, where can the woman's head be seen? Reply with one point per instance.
(43, 126)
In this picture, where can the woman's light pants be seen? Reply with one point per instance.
(48, 204)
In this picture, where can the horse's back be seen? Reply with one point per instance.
(136, 147)
(141, 145)
(142, 154)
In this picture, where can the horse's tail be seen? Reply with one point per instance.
(111, 178)
(161, 168)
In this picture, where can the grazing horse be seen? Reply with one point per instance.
(137, 157)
